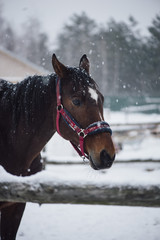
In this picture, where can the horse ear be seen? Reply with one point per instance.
(59, 68)
(84, 63)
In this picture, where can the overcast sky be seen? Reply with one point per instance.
(53, 14)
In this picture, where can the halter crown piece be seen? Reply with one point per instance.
(93, 128)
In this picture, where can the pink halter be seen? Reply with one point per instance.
(93, 128)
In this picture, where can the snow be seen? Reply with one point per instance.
(135, 174)
(83, 222)
(145, 148)
(126, 117)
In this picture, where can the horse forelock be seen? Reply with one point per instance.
(80, 80)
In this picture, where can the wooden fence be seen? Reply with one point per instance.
(125, 131)
(80, 194)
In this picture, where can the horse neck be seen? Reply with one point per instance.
(37, 109)
(27, 122)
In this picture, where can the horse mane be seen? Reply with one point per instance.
(27, 100)
(30, 99)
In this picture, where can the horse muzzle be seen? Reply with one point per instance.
(104, 160)
(101, 151)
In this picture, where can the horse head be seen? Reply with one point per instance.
(81, 102)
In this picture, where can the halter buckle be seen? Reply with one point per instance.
(82, 133)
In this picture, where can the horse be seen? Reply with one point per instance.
(31, 111)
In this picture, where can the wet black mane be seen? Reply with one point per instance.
(28, 100)
(25, 99)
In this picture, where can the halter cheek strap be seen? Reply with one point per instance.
(93, 128)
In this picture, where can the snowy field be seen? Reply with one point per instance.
(83, 222)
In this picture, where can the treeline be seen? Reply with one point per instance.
(122, 61)
(32, 44)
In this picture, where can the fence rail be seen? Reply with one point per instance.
(80, 162)
(152, 127)
(80, 194)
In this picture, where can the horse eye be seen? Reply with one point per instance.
(76, 102)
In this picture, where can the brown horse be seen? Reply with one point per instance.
(33, 110)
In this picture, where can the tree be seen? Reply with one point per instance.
(153, 56)
(81, 36)
(122, 48)
(2, 25)
(7, 35)
(76, 38)
(34, 43)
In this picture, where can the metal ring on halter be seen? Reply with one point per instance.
(59, 107)
(82, 134)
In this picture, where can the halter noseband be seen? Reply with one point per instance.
(93, 128)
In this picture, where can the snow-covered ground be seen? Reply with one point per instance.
(128, 117)
(84, 222)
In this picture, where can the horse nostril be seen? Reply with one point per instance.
(104, 156)
(106, 159)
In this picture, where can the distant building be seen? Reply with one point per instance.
(14, 68)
